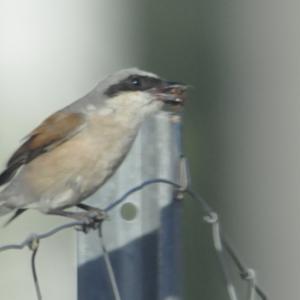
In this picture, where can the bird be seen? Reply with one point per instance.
(73, 152)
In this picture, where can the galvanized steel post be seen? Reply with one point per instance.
(142, 235)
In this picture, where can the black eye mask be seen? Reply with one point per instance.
(133, 83)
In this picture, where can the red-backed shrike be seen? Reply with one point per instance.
(75, 150)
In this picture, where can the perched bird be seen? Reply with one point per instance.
(74, 151)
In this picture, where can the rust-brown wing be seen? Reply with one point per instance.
(54, 131)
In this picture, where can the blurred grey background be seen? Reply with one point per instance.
(241, 128)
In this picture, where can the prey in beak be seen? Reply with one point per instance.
(173, 93)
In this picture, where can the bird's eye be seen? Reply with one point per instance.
(136, 82)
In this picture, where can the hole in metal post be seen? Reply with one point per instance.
(129, 211)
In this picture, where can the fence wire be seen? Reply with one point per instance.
(221, 243)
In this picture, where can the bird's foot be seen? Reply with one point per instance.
(92, 220)
(92, 217)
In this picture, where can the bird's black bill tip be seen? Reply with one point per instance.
(173, 93)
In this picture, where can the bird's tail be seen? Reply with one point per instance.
(5, 177)
(4, 209)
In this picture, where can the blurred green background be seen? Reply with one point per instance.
(181, 40)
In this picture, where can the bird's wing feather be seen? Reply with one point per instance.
(54, 131)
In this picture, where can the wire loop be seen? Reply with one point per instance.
(211, 218)
(34, 242)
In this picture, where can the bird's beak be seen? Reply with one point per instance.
(170, 92)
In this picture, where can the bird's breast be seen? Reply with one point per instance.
(109, 142)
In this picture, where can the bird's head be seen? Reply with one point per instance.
(140, 92)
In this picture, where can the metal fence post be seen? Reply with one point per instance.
(145, 250)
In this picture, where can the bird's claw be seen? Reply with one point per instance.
(92, 220)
